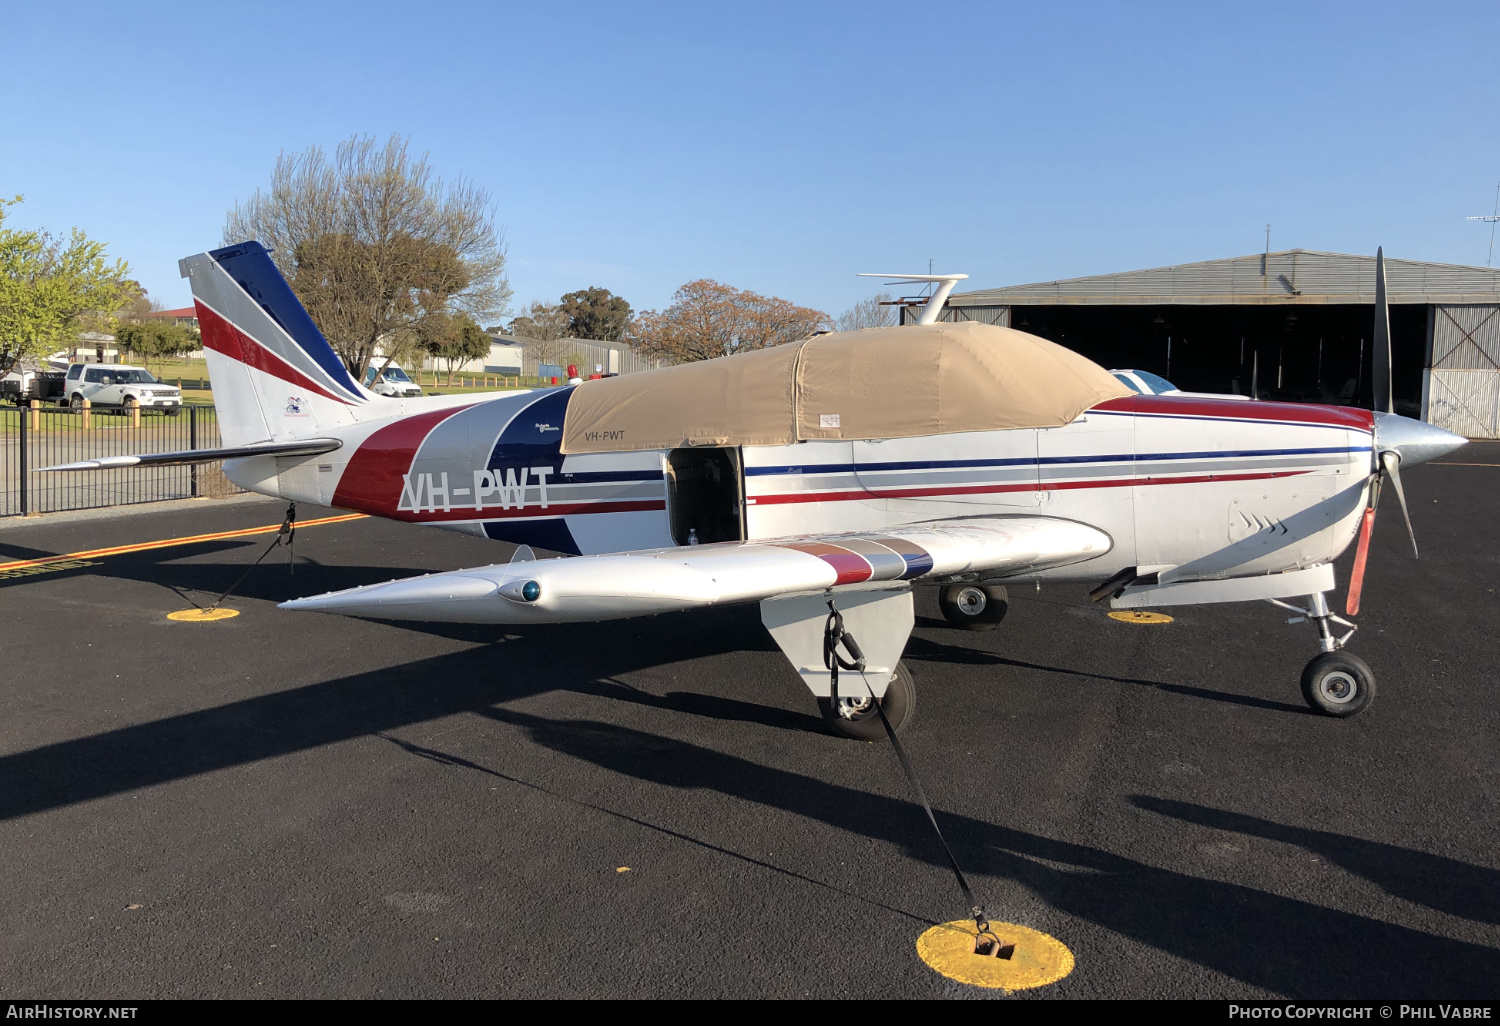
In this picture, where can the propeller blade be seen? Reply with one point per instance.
(1357, 575)
(1390, 463)
(1380, 354)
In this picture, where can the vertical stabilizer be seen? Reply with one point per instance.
(275, 377)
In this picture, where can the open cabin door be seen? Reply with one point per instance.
(705, 495)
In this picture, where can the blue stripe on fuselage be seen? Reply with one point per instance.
(850, 468)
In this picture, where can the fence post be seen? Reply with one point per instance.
(87, 405)
(35, 414)
(193, 444)
(135, 415)
(25, 490)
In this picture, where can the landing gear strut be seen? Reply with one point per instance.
(1334, 683)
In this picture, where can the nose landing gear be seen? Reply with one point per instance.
(1334, 683)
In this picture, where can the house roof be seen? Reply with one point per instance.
(186, 311)
(1289, 277)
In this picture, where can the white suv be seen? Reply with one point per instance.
(119, 386)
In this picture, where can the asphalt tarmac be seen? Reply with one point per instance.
(296, 805)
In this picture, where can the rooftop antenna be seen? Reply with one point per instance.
(1491, 219)
(1265, 261)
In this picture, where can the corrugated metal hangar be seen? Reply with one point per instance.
(1296, 324)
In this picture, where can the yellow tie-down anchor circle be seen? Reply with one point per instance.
(1038, 959)
(1139, 616)
(203, 615)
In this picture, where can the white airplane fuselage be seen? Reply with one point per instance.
(1211, 487)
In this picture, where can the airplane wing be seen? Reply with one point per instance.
(625, 584)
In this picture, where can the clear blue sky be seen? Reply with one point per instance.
(781, 147)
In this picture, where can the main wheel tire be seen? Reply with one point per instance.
(173, 411)
(973, 607)
(76, 402)
(1338, 684)
(859, 720)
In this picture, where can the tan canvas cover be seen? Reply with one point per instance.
(878, 383)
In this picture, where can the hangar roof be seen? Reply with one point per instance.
(1293, 276)
(922, 379)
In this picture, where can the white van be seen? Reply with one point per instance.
(119, 386)
(392, 381)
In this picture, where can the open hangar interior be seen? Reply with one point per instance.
(1296, 325)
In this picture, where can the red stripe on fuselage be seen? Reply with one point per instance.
(531, 511)
(377, 469)
(223, 337)
(924, 493)
(1237, 409)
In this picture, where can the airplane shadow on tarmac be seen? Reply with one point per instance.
(936, 651)
(1285, 945)
(1447, 885)
(1281, 944)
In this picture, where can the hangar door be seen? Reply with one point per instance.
(1463, 385)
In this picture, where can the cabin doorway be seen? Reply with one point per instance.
(705, 496)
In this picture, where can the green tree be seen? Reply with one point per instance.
(50, 289)
(596, 313)
(455, 340)
(155, 339)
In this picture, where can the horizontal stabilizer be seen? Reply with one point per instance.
(304, 447)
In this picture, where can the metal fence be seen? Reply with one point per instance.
(33, 439)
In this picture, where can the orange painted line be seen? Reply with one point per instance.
(120, 550)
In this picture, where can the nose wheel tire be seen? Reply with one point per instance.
(973, 607)
(1338, 684)
(855, 716)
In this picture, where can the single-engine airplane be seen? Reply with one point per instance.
(838, 471)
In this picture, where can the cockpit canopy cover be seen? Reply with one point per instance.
(929, 379)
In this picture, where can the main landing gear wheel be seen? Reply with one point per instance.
(973, 607)
(1338, 684)
(856, 716)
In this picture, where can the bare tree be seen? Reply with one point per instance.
(547, 329)
(709, 319)
(875, 312)
(373, 243)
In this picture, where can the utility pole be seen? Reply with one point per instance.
(1492, 219)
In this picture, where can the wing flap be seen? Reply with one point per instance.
(626, 584)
